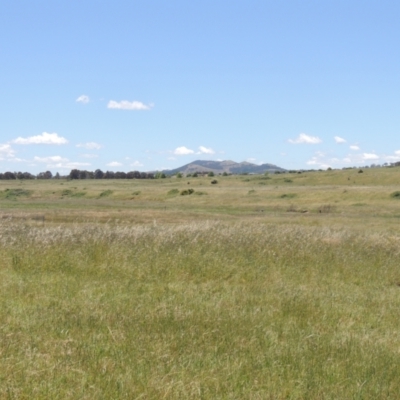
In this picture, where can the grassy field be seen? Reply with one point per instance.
(258, 287)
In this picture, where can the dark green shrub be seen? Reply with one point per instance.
(66, 192)
(395, 195)
(106, 193)
(187, 192)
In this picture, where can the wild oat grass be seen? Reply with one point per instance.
(203, 310)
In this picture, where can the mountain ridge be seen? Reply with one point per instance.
(228, 166)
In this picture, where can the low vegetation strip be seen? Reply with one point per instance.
(198, 310)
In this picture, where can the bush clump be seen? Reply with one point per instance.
(214, 182)
(106, 193)
(395, 195)
(66, 192)
(187, 192)
(14, 193)
(173, 192)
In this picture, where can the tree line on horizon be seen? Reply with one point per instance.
(99, 174)
(80, 174)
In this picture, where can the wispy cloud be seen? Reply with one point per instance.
(370, 156)
(58, 162)
(129, 105)
(354, 147)
(114, 164)
(86, 155)
(339, 140)
(205, 150)
(83, 99)
(182, 151)
(136, 164)
(51, 159)
(6, 150)
(90, 145)
(305, 139)
(322, 160)
(44, 138)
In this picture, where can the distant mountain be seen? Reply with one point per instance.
(230, 167)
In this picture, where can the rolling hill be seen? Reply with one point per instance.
(230, 167)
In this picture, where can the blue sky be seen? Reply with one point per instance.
(146, 85)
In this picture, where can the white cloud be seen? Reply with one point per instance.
(6, 150)
(128, 105)
(338, 139)
(51, 159)
(205, 150)
(303, 138)
(136, 164)
(354, 147)
(182, 151)
(59, 162)
(370, 156)
(83, 99)
(324, 160)
(86, 155)
(44, 138)
(114, 164)
(397, 152)
(90, 145)
(71, 165)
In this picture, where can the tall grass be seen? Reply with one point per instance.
(202, 310)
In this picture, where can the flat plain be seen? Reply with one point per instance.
(283, 286)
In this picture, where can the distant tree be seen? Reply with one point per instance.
(211, 174)
(28, 175)
(179, 175)
(120, 175)
(136, 175)
(98, 174)
(83, 174)
(224, 173)
(195, 175)
(57, 176)
(74, 174)
(9, 175)
(109, 175)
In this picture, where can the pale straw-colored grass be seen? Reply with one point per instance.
(205, 310)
